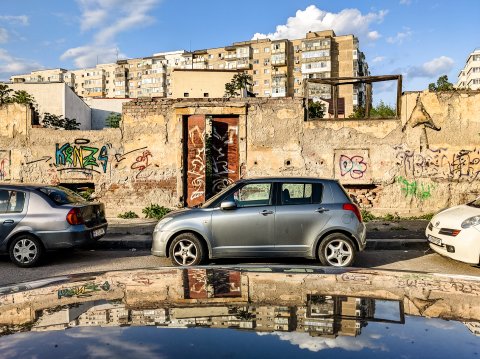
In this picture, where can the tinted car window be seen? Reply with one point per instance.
(300, 193)
(61, 195)
(253, 194)
(11, 201)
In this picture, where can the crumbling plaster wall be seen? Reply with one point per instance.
(424, 161)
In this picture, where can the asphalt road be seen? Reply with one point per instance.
(62, 263)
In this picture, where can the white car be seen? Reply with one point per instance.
(455, 232)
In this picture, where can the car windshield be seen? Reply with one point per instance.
(62, 195)
(475, 203)
(217, 196)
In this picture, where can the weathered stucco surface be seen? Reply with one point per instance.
(424, 161)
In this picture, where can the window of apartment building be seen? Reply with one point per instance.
(296, 91)
(266, 62)
(256, 61)
(266, 71)
(205, 94)
(221, 66)
(255, 83)
(297, 48)
(266, 49)
(475, 69)
(210, 67)
(186, 94)
(266, 92)
(256, 93)
(476, 58)
(255, 72)
(256, 51)
(276, 46)
(266, 82)
(220, 54)
(297, 69)
(210, 56)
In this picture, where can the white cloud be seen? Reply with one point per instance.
(347, 21)
(374, 35)
(316, 344)
(400, 37)
(21, 19)
(438, 66)
(106, 19)
(378, 59)
(405, 2)
(3, 35)
(14, 65)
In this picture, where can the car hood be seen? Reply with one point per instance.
(454, 216)
(298, 309)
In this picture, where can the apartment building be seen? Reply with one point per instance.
(278, 69)
(469, 77)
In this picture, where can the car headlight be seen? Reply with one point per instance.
(470, 222)
(162, 222)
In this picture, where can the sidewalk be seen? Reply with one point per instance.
(136, 234)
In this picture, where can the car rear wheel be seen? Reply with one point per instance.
(26, 251)
(187, 250)
(337, 250)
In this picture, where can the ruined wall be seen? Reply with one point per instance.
(424, 161)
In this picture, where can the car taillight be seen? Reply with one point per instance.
(74, 216)
(354, 209)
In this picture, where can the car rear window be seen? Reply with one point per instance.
(61, 195)
(300, 193)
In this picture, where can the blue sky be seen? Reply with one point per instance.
(421, 39)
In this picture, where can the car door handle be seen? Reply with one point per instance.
(8, 221)
(265, 212)
(321, 210)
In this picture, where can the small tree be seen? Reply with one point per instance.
(57, 122)
(316, 109)
(113, 120)
(241, 81)
(5, 94)
(442, 85)
(383, 110)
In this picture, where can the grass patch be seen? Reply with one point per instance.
(128, 215)
(155, 211)
(368, 217)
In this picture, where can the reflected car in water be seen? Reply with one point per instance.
(266, 217)
(247, 311)
(36, 218)
(455, 232)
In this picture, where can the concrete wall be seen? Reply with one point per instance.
(101, 109)
(59, 99)
(424, 161)
(199, 82)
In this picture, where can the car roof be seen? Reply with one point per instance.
(287, 179)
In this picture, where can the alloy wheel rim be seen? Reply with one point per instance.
(185, 252)
(338, 253)
(25, 251)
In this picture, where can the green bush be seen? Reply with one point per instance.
(155, 211)
(367, 216)
(128, 215)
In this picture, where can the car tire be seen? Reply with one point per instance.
(337, 250)
(26, 251)
(187, 250)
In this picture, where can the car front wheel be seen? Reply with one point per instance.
(25, 251)
(187, 250)
(337, 250)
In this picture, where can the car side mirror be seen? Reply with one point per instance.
(226, 205)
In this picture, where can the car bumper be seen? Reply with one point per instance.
(159, 243)
(361, 236)
(465, 247)
(75, 236)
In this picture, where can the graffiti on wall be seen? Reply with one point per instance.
(352, 165)
(415, 189)
(439, 163)
(211, 283)
(4, 165)
(81, 157)
(196, 165)
(82, 291)
(224, 153)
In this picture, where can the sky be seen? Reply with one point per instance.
(420, 39)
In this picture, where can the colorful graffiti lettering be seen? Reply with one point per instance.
(354, 166)
(415, 189)
(439, 163)
(81, 157)
(85, 290)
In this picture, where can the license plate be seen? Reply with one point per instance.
(98, 232)
(435, 240)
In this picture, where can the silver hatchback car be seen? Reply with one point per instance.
(266, 217)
